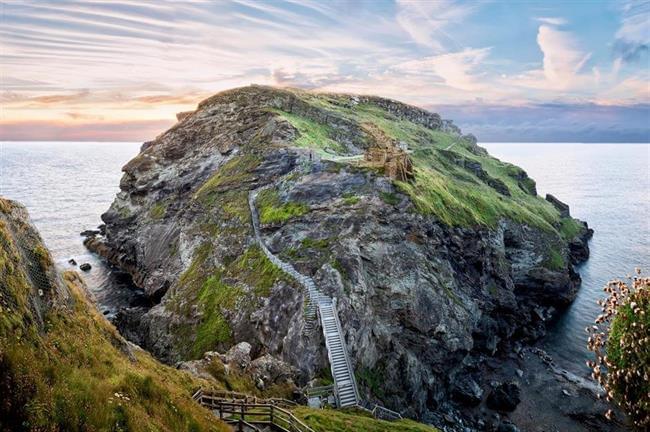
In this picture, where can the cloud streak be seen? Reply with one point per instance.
(80, 64)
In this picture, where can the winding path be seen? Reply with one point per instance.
(345, 385)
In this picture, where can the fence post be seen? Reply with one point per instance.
(241, 420)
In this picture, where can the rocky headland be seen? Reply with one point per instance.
(443, 267)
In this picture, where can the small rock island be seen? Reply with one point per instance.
(440, 259)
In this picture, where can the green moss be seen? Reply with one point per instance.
(257, 271)
(320, 244)
(351, 200)
(329, 420)
(272, 210)
(214, 299)
(158, 210)
(389, 198)
(43, 257)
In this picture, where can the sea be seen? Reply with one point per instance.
(66, 186)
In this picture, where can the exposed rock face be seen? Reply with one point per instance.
(418, 298)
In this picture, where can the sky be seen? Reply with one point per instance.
(569, 71)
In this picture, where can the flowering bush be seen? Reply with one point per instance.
(620, 339)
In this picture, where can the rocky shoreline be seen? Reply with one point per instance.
(439, 319)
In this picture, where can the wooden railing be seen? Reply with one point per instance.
(380, 412)
(244, 412)
(227, 394)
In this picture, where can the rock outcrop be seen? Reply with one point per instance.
(430, 274)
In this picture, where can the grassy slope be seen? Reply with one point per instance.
(441, 188)
(73, 373)
(327, 420)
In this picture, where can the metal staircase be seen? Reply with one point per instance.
(345, 386)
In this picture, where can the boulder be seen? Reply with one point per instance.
(239, 355)
(505, 397)
(467, 392)
(85, 267)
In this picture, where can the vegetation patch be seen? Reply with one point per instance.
(232, 175)
(158, 210)
(215, 298)
(314, 135)
(351, 199)
(554, 260)
(569, 228)
(74, 376)
(450, 192)
(389, 198)
(372, 379)
(329, 420)
(619, 341)
(257, 271)
(272, 210)
(320, 244)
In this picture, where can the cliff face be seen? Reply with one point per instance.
(431, 273)
(62, 365)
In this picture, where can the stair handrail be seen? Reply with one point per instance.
(254, 413)
(353, 379)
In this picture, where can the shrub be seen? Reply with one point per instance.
(620, 339)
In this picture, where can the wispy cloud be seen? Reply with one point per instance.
(457, 69)
(556, 21)
(72, 63)
(429, 22)
(633, 37)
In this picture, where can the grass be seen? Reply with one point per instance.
(329, 420)
(372, 379)
(72, 372)
(313, 135)
(555, 260)
(569, 228)
(239, 283)
(231, 175)
(272, 210)
(447, 191)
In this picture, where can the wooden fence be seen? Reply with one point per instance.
(249, 411)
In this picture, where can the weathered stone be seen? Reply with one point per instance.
(467, 391)
(85, 267)
(505, 397)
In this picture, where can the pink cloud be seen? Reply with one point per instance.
(95, 131)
